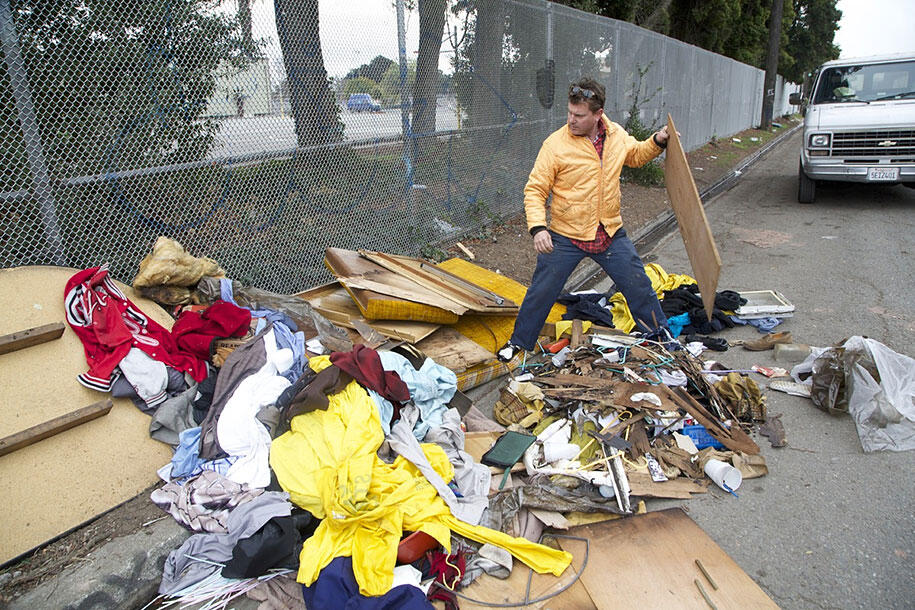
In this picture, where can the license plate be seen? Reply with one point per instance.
(878, 174)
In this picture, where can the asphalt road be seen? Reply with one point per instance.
(830, 526)
(266, 134)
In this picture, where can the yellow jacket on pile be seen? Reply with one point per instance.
(328, 464)
(586, 188)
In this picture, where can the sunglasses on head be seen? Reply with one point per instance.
(585, 93)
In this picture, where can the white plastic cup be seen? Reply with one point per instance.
(553, 452)
(723, 474)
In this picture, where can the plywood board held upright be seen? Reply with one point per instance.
(694, 227)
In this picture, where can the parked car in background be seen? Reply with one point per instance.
(859, 123)
(362, 102)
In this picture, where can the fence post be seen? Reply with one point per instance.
(405, 110)
(549, 58)
(25, 110)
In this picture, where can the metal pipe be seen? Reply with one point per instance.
(25, 109)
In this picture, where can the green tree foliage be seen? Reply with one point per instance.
(374, 70)
(119, 85)
(361, 84)
(810, 38)
(390, 82)
(735, 28)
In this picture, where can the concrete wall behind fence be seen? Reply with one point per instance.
(108, 137)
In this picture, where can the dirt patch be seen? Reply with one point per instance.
(508, 248)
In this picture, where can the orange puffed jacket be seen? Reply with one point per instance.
(586, 188)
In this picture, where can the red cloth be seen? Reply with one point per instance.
(601, 241)
(109, 325)
(365, 367)
(195, 332)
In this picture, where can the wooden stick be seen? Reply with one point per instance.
(576, 334)
(465, 250)
(706, 574)
(705, 595)
(28, 338)
(40, 432)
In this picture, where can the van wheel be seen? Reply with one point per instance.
(806, 188)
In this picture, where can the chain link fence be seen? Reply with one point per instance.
(260, 132)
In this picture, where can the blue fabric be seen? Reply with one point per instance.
(336, 589)
(620, 261)
(186, 462)
(284, 330)
(676, 324)
(431, 388)
(738, 321)
(765, 325)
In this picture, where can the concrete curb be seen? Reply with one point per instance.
(647, 237)
(123, 573)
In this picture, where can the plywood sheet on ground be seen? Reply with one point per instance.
(61, 482)
(694, 227)
(652, 558)
(512, 590)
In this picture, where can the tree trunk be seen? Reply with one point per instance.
(244, 19)
(486, 108)
(425, 87)
(314, 108)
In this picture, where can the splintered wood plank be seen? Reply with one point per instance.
(28, 338)
(652, 559)
(57, 425)
(444, 283)
(681, 488)
(694, 227)
(733, 438)
(490, 590)
(334, 303)
(453, 350)
(564, 379)
(347, 263)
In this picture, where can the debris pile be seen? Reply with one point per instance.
(324, 450)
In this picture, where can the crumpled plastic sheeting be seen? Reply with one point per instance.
(882, 405)
(302, 313)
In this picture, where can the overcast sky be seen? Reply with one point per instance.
(872, 27)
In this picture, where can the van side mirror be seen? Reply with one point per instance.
(796, 99)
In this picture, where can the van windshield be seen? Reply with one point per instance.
(866, 83)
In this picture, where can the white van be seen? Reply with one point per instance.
(859, 123)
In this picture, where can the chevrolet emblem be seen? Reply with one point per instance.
(887, 143)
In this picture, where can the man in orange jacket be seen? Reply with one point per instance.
(580, 164)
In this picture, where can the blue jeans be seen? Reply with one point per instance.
(620, 261)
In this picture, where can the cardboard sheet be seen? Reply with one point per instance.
(63, 481)
(694, 227)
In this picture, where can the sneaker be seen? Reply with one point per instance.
(507, 352)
